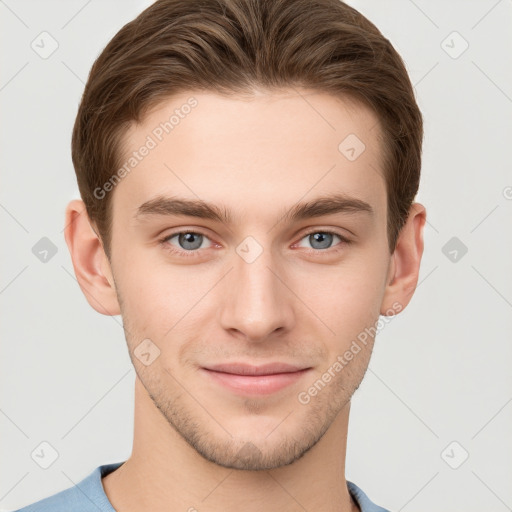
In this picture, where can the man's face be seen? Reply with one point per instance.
(261, 288)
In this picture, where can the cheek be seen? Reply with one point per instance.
(346, 298)
(154, 295)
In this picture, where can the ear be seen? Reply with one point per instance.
(92, 268)
(405, 262)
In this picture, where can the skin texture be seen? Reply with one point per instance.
(196, 443)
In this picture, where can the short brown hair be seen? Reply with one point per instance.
(235, 46)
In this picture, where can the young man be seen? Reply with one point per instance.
(247, 170)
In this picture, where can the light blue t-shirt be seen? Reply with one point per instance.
(89, 496)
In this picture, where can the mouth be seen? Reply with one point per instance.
(247, 379)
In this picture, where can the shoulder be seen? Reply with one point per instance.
(87, 495)
(365, 504)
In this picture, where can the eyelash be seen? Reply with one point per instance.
(195, 253)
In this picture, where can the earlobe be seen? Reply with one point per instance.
(405, 262)
(90, 262)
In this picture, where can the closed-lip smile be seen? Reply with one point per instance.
(245, 378)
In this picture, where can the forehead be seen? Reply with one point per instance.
(253, 154)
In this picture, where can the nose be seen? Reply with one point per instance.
(257, 300)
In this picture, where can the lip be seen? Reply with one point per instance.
(255, 380)
(249, 369)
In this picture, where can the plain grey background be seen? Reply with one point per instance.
(430, 425)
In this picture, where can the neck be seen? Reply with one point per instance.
(164, 473)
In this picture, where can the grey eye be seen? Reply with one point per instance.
(321, 239)
(189, 240)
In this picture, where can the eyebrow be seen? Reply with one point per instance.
(326, 205)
